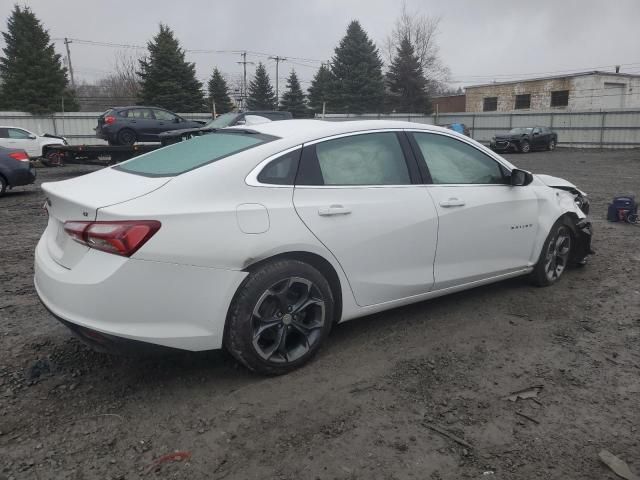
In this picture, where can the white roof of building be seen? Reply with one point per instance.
(557, 77)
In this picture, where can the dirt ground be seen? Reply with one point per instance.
(365, 407)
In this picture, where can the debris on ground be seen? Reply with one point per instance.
(617, 465)
(530, 392)
(447, 433)
(169, 457)
(531, 419)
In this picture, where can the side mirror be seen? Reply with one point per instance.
(536, 133)
(176, 120)
(32, 137)
(241, 122)
(520, 178)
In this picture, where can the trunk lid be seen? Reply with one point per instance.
(80, 198)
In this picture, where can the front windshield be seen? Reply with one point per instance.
(222, 121)
(520, 131)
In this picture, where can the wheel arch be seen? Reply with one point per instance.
(318, 262)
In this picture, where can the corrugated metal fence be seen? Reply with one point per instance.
(77, 127)
(610, 129)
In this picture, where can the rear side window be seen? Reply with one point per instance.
(368, 159)
(181, 157)
(282, 170)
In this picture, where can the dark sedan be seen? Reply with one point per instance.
(525, 139)
(128, 125)
(15, 169)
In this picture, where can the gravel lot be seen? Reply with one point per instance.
(363, 409)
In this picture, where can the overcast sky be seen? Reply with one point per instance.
(479, 40)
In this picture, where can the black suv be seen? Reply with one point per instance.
(525, 139)
(128, 125)
(230, 119)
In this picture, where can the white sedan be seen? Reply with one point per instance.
(260, 239)
(14, 137)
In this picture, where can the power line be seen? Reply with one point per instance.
(277, 59)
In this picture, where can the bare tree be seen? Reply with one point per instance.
(123, 82)
(422, 32)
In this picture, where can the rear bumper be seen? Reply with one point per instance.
(22, 176)
(171, 305)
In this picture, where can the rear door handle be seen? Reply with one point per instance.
(333, 210)
(452, 202)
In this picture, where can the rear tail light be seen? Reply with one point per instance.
(120, 238)
(20, 156)
(109, 119)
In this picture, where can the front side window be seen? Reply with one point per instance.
(17, 133)
(184, 156)
(366, 159)
(164, 115)
(451, 161)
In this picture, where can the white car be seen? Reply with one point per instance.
(260, 239)
(14, 137)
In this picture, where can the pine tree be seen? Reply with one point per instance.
(406, 82)
(32, 77)
(320, 90)
(261, 95)
(358, 84)
(167, 79)
(293, 98)
(219, 92)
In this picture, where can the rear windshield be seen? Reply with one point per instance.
(181, 157)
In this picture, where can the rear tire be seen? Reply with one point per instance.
(3, 185)
(554, 257)
(126, 136)
(280, 317)
(52, 159)
(552, 145)
(525, 146)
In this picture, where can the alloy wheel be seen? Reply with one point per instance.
(557, 256)
(287, 320)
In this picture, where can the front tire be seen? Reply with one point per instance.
(3, 185)
(525, 146)
(555, 256)
(280, 317)
(552, 145)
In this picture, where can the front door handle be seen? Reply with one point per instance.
(452, 202)
(333, 210)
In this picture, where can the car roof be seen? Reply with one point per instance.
(306, 130)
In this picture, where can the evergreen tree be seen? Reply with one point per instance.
(219, 92)
(293, 99)
(406, 83)
(167, 79)
(320, 89)
(261, 95)
(32, 77)
(358, 84)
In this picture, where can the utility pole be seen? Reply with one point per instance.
(278, 59)
(244, 78)
(66, 44)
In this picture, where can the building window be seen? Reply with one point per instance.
(523, 101)
(560, 98)
(490, 104)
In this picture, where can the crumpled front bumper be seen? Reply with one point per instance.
(582, 233)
